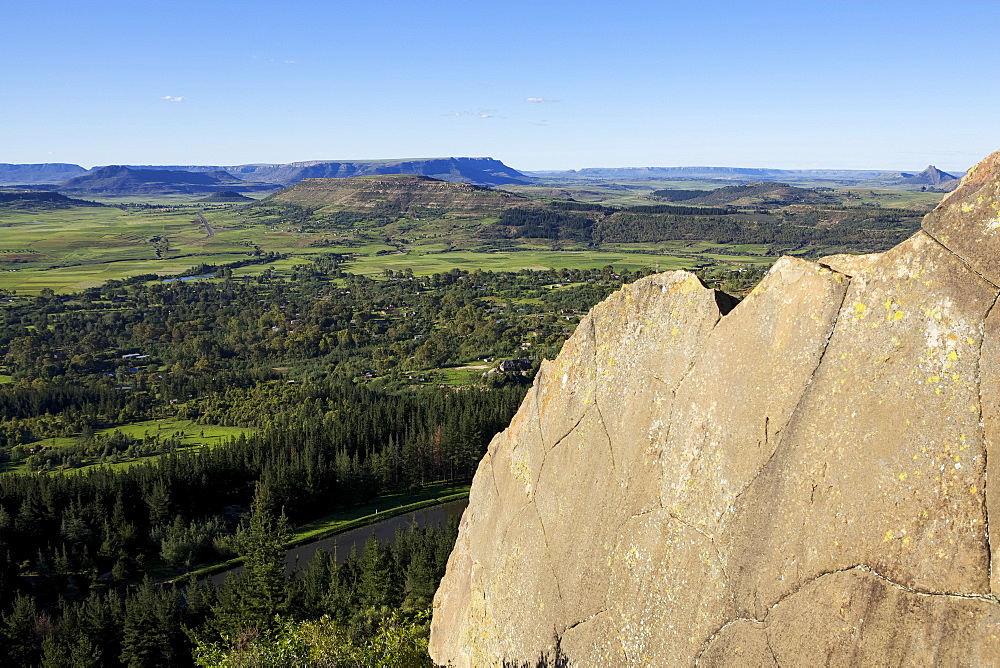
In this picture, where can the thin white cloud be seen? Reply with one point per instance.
(537, 100)
(173, 98)
(481, 113)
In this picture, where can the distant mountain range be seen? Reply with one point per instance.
(481, 171)
(119, 180)
(201, 179)
(932, 176)
(205, 180)
(50, 172)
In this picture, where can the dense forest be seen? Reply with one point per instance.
(824, 228)
(338, 383)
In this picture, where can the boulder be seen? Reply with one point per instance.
(801, 479)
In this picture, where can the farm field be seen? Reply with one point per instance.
(70, 250)
(549, 226)
(187, 433)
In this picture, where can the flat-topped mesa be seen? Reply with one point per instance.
(802, 480)
(397, 192)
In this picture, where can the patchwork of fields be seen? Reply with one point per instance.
(69, 249)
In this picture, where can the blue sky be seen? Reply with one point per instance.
(539, 85)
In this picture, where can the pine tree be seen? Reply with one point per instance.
(250, 601)
(20, 645)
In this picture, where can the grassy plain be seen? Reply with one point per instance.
(189, 433)
(67, 250)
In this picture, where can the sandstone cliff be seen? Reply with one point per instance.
(805, 480)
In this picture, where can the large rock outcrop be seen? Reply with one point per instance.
(806, 479)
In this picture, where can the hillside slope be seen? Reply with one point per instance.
(39, 200)
(397, 193)
(767, 193)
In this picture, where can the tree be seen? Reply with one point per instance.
(250, 602)
(21, 644)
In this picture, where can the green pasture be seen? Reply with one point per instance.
(423, 264)
(468, 374)
(904, 199)
(601, 191)
(72, 279)
(68, 250)
(189, 433)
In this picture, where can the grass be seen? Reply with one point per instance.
(189, 433)
(430, 263)
(68, 250)
(468, 374)
(905, 199)
(192, 433)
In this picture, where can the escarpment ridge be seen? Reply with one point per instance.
(805, 479)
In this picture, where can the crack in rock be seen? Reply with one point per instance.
(493, 477)
(802, 395)
(865, 568)
(590, 362)
(960, 257)
(548, 551)
(711, 539)
(587, 619)
(607, 435)
(708, 642)
(986, 462)
(859, 568)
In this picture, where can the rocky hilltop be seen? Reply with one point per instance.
(398, 193)
(805, 479)
(932, 176)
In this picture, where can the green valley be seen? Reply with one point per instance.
(426, 226)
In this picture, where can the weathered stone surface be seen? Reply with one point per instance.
(849, 264)
(722, 432)
(990, 393)
(865, 476)
(968, 220)
(656, 561)
(805, 480)
(531, 482)
(859, 618)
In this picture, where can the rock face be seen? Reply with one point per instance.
(805, 480)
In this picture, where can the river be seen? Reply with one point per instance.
(342, 543)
